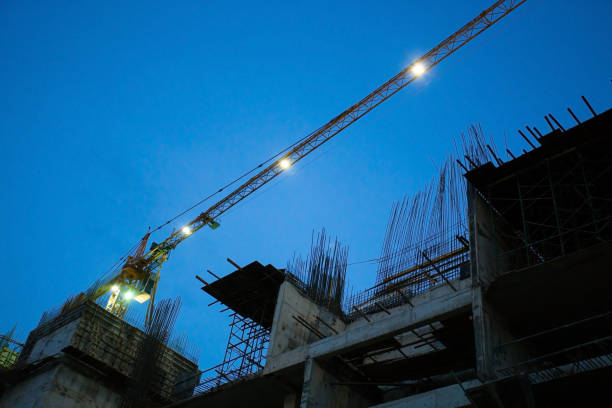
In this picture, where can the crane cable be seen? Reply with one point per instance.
(234, 181)
(203, 200)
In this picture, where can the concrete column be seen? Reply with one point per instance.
(291, 401)
(490, 327)
(319, 390)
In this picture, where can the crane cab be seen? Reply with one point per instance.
(134, 282)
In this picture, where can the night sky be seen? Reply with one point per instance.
(115, 117)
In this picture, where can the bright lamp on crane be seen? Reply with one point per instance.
(115, 288)
(284, 164)
(418, 68)
(128, 295)
(186, 230)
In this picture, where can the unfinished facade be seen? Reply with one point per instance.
(86, 357)
(509, 309)
(492, 290)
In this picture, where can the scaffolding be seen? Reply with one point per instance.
(250, 292)
(244, 354)
(580, 346)
(245, 349)
(554, 200)
(10, 349)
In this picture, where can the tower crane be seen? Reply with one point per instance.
(138, 277)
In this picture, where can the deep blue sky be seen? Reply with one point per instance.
(115, 117)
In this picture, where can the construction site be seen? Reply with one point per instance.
(492, 289)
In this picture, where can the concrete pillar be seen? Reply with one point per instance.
(319, 390)
(291, 401)
(490, 327)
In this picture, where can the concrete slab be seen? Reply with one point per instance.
(438, 303)
(451, 396)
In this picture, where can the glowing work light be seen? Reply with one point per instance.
(418, 68)
(284, 164)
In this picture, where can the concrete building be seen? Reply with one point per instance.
(516, 315)
(512, 309)
(86, 357)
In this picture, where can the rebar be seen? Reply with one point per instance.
(425, 227)
(323, 272)
(147, 366)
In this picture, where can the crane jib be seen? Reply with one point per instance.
(149, 265)
(466, 33)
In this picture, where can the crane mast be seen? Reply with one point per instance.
(139, 276)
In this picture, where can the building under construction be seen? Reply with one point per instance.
(83, 356)
(492, 290)
(504, 305)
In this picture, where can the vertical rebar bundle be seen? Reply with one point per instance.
(475, 149)
(324, 271)
(424, 226)
(150, 354)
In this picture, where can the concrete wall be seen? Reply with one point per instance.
(89, 336)
(61, 387)
(429, 306)
(490, 327)
(53, 343)
(319, 390)
(287, 334)
(29, 393)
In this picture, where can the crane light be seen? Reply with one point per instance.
(115, 288)
(285, 164)
(418, 68)
(128, 295)
(186, 230)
